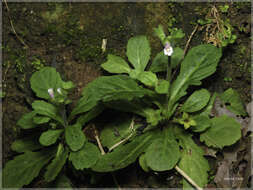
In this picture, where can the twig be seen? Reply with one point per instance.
(185, 49)
(12, 26)
(188, 178)
(98, 141)
(122, 141)
(189, 40)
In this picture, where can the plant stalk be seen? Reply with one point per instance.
(168, 78)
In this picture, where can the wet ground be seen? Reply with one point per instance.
(68, 36)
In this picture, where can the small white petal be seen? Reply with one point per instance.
(168, 51)
(59, 90)
(51, 92)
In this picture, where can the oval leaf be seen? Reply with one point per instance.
(108, 88)
(176, 57)
(75, 137)
(123, 155)
(24, 168)
(148, 78)
(40, 119)
(163, 153)
(115, 131)
(116, 64)
(192, 160)
(162, 87)
(26, 121)
(202, 123)
(196, 101)
(138, 52)
(26, 144)
(199, 63)
(143, 163)
(224, 131)
(159, 63)
(86, 157)
(50, 137)
(56, 165)
(233, 102)
(44, 79)
(47, 109)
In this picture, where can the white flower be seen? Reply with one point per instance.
(51, 92)
(168, 50)
(59, 90)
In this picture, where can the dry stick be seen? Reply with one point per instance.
(122, 141)
(188, 178)
(186, 48)
(189, 40)
(12, 26)
(98, 141)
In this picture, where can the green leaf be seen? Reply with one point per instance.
(196, 101)
(86, 157)
(75, 137)
(108, 88)
(115, 131)
(153, 116)
(177, 34)
(163, 153)
(224, 131)
(199, 63)
(45, 79)
(202, 123)
(138, 52)
(54, 168)
(160, 33)
(47, 109)
(67, 85)
(26, 121)
(93, 113)
(24, 168)
(207, 110)
(50, 137)
(40, 119)
(123, 155)
(26, 144)
(176, 57)
(143, 163)
(116, 64)
(162, 87)
(159, 63)
(136, 106)
(148, 78)
(233, 102)
(62, 182)
(192, 160)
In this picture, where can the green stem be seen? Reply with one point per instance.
(64, 115)
(168, 78)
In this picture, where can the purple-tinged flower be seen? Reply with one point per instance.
(59, 91)
(168, 50)
(51, 92)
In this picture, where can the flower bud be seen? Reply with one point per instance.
(51, 92)
(59, 91)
